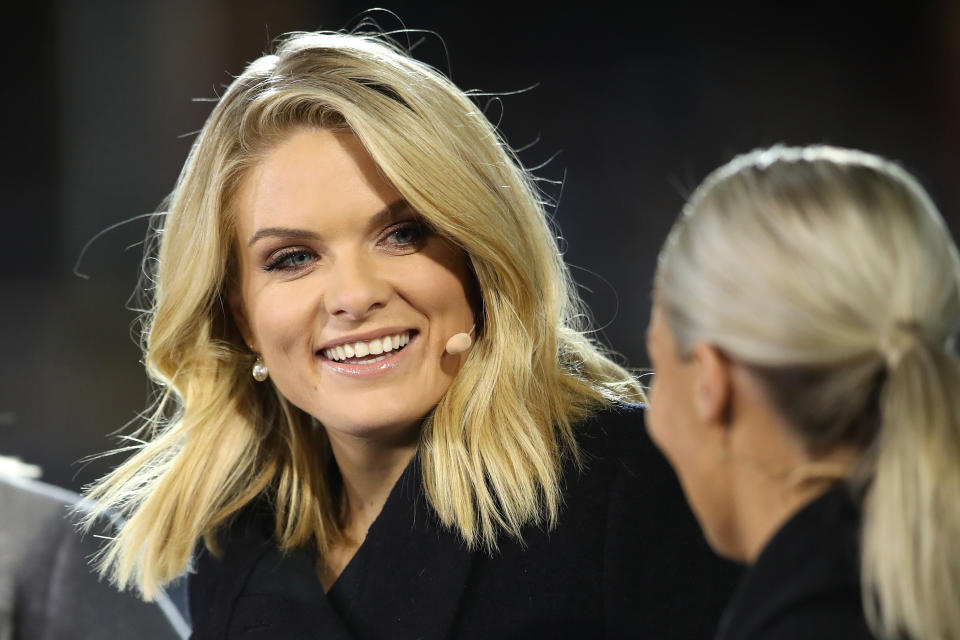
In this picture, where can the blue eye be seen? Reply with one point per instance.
(291, 260)
(298, 259)
(406, 235)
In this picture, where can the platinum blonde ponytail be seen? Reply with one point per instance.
(832, 275)
(911, 557)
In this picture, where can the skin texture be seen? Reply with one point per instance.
(732, 451)
(692, 445)
(328, 250)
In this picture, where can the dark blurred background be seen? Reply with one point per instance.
(631, 108)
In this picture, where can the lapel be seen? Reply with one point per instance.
(409, 575)
(405, 581)
(260, 592)
(284, 599)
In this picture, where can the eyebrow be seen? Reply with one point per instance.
(391, 210)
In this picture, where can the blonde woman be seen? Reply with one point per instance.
(808, 394)
(378, 408)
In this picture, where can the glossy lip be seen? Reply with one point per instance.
(366, 337)
(368, 370)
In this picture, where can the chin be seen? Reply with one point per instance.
(372, 425)
(722, 548)
(716, 526)
(723, 540)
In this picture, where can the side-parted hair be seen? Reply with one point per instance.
(491, 451)
(832, 275)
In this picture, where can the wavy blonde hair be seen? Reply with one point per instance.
(831, 273)
(493, 448)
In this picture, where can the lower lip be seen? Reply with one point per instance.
(355, 370)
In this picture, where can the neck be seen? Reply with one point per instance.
(770, 493)
(369, 470)
(765, 510)
(772, 473)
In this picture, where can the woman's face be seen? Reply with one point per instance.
(687, 440)
(347, 296)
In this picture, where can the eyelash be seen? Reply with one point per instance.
(419, 230)
(276, 264)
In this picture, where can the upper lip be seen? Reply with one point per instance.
(366, 336)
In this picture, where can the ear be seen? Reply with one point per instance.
(712, 392)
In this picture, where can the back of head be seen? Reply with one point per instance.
(832, 275)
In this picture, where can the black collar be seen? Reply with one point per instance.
(815, 554)
(261, 590)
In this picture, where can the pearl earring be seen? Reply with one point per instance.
(260, 371)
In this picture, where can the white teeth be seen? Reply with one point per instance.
(373, 347)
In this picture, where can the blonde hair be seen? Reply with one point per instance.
(493, 448)
(832, 274)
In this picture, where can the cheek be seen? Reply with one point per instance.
(675, 429)
(664, 417)
(280, 317)
(439, 291)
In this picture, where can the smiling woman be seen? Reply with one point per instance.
(380, 407)
(346, 264)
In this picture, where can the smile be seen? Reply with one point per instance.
(368, 351)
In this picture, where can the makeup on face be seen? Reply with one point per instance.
(349, 296)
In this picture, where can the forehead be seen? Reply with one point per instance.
(312, 176)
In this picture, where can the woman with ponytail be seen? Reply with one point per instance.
(807, 393)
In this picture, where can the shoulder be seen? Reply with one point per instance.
(614, 431)
(832, 617)
(46, 560)
(218, 579)
(30, 540)
(806, 581)
(33, 501)
(43, 527)
(615, 441)
(653, 550)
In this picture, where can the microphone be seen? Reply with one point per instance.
(459, 342)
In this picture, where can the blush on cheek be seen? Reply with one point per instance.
(282, 319)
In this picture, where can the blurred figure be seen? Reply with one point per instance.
(48, 591)
(808, 395)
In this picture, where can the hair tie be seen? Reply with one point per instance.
(900, 338)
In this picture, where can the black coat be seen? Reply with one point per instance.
(626, 560)
(806, 582)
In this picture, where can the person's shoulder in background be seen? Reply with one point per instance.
(48, 587)
(663, 581)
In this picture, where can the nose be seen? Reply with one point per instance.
(355, 288)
